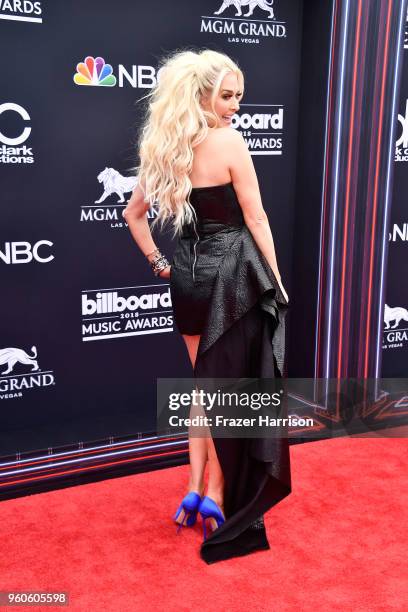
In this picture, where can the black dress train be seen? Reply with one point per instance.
(223, 288)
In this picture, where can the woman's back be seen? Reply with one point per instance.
(210, 162)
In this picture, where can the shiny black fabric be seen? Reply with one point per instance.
(223, 288)
(199, 253)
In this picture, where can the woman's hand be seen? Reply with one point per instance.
(281, 287)
(165, 273)
(283, 291)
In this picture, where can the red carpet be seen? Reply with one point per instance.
(338, 542)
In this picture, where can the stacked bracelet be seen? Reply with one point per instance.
(158, 263)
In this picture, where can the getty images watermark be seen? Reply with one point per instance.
(280, 407)
(209, 401)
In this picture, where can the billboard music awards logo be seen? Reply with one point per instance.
(261, 126)
(115, 186)
(94, 72)
(10, 151)
(401, 146)
(256, 24)
(396, 326)
(126, 311)
(13, 383)
(21, 10)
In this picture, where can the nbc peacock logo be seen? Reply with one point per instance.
(93, 71)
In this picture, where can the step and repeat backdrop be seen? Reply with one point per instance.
(86, 329)
(395, 339)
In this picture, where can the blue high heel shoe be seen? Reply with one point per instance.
(210, 510)
(189, 506)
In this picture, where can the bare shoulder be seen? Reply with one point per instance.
(226, 142)
(229, 135)
(224, 135)
(214, 156)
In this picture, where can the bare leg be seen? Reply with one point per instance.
(215, 488)
(197, 446)
(201, 448)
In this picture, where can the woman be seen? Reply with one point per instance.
(228, 300)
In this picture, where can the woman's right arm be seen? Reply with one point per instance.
(136, 218)
(246, 186)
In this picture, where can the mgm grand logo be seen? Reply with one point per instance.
(13, 383)
(126, 311)
(258, 22)
(396, 326)
(112, 202)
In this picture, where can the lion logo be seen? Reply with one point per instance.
(114, 182)
(394, 314)
(251, 4)
(12, 355)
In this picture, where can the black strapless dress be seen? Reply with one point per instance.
(223, 288)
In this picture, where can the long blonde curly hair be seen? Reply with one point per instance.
(174, 124)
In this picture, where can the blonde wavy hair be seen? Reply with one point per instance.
(174, 124)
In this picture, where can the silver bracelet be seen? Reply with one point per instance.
(159, 263)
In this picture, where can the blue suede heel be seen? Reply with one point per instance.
(210, 510)
(189, 506)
